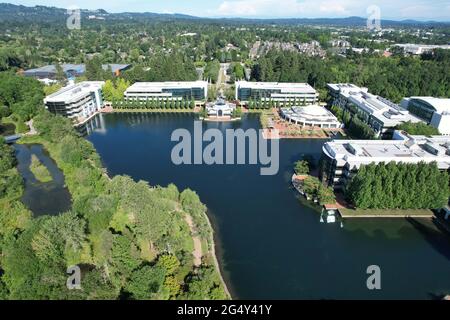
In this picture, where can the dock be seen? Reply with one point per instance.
(13, 138)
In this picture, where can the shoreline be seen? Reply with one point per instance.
(214, 256)
(210, 241)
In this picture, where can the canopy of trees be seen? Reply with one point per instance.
(399, 186)
(418, 129)
(130, 240)
(393, 78)
(22, 96)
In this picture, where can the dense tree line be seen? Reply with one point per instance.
(393, 78)
(211, 72)
(399, 186)
(19, 96)
(130, 240)
(356, 127)
(153, 104)
(419, 128)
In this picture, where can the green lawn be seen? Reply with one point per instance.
(20, 127)
(39, 170)
(385, 213)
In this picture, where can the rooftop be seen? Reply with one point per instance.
(78, 68)
(157, 86)
(440, 104)
(285, 87)
(387, 112)
(310, 113)
(406, 148)
(74, 92)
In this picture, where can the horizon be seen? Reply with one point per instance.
(433, 10)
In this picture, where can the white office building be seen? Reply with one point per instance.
(434, 111)
(342, 158)
(379, 113)
(170, 90)
(78, 101)
(301, 93)
(311, 116)
(418, 49)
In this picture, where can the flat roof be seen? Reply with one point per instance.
(309, 113)
(346, 87)
(74, 92)
(384, 110)
(157, 86)
(412, 149)
(440, 104)
(285, 87)
(79, 68)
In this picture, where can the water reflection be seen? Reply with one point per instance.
(271, 244)
(49, 198)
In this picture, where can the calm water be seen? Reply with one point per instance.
(271, 244)
(42, 198)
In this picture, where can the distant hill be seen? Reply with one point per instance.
(43, 14)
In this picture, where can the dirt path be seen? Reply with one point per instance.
(197, 253)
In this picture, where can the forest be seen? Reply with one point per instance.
(399, 186)
(394, 78)
(131, 240)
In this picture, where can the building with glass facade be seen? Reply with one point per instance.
(379, 113)
(342, 158)
(71, 70)
(434, 111)
(196, 90)
(78, 101)
(293, 93)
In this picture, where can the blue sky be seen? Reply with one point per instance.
(390, 9)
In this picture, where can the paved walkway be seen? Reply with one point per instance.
(197, 253)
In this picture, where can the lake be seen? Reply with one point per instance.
(270, 243)
(48, 198)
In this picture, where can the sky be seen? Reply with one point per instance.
(438, 10)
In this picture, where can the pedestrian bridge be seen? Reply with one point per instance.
(13, 138)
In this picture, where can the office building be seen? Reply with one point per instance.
(418, 49)
(297, 93)
(342, 158)
(71, 70)
(434, 111)
(78, 101)
(196, 90)
(379, 113)
(311, 116)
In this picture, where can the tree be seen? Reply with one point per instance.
(419, 128)
(301, 167)
(60, 75)
(169, 262)
(399, 186)
(146, 282)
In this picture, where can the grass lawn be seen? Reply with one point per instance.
(385, 213)
(39, 170)
(20, 127)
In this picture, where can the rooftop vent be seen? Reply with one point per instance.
(355, 149)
